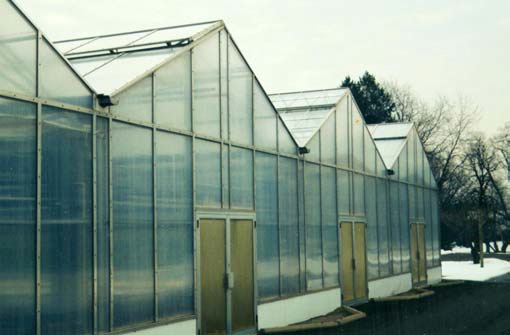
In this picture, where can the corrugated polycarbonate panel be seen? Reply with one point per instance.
(224, 39)
(268, 271)
(412, 202)
(313, 227)
(436, 228)
(175, 224)
(17, 216)
(208, 173)
(241, 178)
(411, 159)
(265, 119)
(382, 228)
(68, 88)
(329, 227)
(136, 102)
(240, 90)
(404, 227)
(172, 93)
(429, 227)
(396, 255)
(369, 153)
(343, 133)
(133, 249)
(419, 163)
(390, 150)
(308, 98)
(327, 134)
(359, 195)
(304, 123)
(206, 87)
(314, 147)
(344, 193)
(402, 164)
(357, 138)
(372, 243)
(301, 208)
(103, 225)
(289, 226)
(390, 130)
(18, 57)
(66, 232)
(285, 142)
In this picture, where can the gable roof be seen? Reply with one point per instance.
(390, 139)
(305, 112)
(111, 62)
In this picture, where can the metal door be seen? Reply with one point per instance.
(212, 276)
(418, 254)
(347, 274)
(242, 268)
(360, 264)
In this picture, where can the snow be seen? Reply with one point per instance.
(468, 271)
(464, 250)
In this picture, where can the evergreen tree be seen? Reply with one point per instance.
(375, 103)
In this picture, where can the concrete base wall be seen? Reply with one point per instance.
(288, 311)
(389, 286)
(188, 327)
(434, 275)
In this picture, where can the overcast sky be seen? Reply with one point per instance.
(439, 47)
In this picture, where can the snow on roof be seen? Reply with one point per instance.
(109, 62)
(390, 139)
(304, 112)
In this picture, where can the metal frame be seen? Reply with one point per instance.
(228, 216)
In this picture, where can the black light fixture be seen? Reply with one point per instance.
(304, 150)
(106, 100)
(390, 172)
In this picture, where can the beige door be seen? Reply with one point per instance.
(241, 236)
(212, 276)
(418, 254)
(353, 253)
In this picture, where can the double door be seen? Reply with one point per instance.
(353, 263)
(418, 254)
(227, 276)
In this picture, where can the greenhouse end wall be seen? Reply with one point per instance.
(98, 206)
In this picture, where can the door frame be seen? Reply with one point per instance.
(417, 223)
(228, 216)
(353, 220)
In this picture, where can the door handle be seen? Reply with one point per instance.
(353, 264)
(228, 280)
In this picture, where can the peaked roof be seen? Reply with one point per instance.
(111, 62)
(305, 112)
(390, 139)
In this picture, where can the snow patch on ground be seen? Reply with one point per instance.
(468, 271)
(464, 250)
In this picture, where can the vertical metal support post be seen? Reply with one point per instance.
(321, 223)
(38, 191)
(110, 222)
(38, 220)
(154, 200)
(304, 225)
(278, 217)
(94, 220)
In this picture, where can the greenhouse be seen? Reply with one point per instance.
(148, 183)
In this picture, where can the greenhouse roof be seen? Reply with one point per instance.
(110, 62)
(390, 139)
(304, 112)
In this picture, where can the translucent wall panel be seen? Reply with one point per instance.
(329, 226)
(419, 162)
(357, 139)
(241, 178)
(265, 120)
(371, 233)
(175, 224)
(396, 256)
(402, 165)
(66, 234)
(380, 167)
(343, 132)
(208, 173)
(225, 177)
(359, 195)
(382, 228)
(17, 215)
(436, 228)
(68, 88)
(301, 207)
(136, 102)
(240, 92)
(285, 142)
(103, 225)
(369, 153)
(328, 140)
(429, 228)
(420, 198)
(224, 83)
(344, 192)
(404, 227)
(411, 158)
(289, 226)
(267, 226)
(314, 146)
(313, 227)
(133, 249)
(206, 87)
(18, 57)
(412, 202)
(172, 93)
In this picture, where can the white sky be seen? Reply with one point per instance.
(439, 47)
